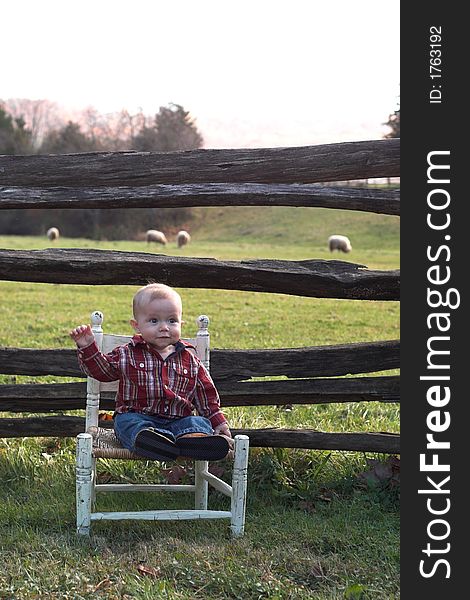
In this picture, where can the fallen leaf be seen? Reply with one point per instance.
(383, 471)
(216, 470)
(387, 471)
(317, 571)
(104, 477)
(307, 506)
(174, 474)
(105, 416)
(52, 446)
(151, 571)
(103, 583)
(395, 463)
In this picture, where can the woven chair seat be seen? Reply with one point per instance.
(107, 445)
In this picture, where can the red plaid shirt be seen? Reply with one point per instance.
(172, 387)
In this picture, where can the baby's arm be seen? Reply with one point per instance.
(82, 335)
(104, 367)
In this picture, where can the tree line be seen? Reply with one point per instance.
(38, 127)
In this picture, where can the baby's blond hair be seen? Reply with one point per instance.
(153, 291)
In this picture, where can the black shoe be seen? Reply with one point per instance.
(155, 445)
(208, 447)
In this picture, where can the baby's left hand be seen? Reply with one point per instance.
(223, 429)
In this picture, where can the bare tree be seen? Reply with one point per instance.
(40, 116)
(111, 131)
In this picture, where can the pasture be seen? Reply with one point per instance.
(315, 527)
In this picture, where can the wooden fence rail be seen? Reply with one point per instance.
(53, 397)
(209, 194)
(304, 164)
(64, 426)
(233, 365)
(313, 278)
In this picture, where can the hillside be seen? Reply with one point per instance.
(297, 233)
(238, 233)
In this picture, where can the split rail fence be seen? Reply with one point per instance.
(252, 177)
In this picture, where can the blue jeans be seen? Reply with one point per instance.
(127, 426)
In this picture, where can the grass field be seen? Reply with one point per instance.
(314, 529)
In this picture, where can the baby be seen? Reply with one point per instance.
(161, 383)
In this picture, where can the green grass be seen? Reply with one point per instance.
(313, 529)
(298, 233)
(303, 540)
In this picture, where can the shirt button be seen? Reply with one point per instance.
(165, 386)
(141, 365)
(185, 371)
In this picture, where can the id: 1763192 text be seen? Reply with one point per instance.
(435, 61)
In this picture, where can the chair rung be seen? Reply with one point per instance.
(217, 483)
(144, 487)
(162, 515)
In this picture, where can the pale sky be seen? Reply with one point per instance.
(252, 73)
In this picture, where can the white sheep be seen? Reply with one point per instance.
(339, 242)
(183, 238)
(52, 234)
(153, 235)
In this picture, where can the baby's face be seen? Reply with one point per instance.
(159, 322)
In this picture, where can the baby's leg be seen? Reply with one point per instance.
(138, 433)
(195, 439)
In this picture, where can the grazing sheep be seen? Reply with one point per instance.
(52, 234)
(286, 407)
(153, 235)
(339, 242)
(183, 238)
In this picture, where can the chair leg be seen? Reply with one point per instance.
(84, 482)
(93, 479)
(239, 482)
(202, 487)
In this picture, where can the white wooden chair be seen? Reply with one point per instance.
(99, 442)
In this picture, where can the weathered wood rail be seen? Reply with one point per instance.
(314, 278)
(53, 397)
(209, 194)
(253, 177)
(303, 164)
(274, 438)
(233, 365)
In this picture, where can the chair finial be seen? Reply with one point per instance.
(202, 321)
(96, 318)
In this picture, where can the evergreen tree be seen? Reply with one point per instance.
(15, 138)
(67, 140)
(394, 124)
(173, 130)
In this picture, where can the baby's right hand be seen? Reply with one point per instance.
(82, 335)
